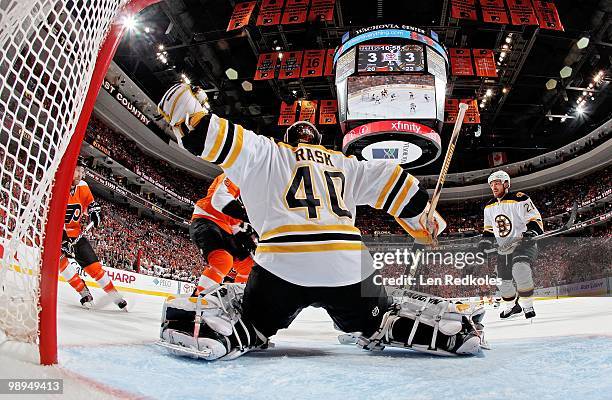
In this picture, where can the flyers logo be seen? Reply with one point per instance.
(73, 213)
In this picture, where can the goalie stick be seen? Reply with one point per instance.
(447, 160)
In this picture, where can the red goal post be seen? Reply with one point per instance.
(48, 52)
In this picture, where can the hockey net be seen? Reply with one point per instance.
(48, 56)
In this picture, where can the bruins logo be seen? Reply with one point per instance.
(504, 226)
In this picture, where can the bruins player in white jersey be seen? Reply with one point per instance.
(513, 221)
(301, 199)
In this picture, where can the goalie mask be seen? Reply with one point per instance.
(302, 132)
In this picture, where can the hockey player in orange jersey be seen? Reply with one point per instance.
(218, 230)
(74, 245)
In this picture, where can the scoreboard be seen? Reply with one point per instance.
(390, 57)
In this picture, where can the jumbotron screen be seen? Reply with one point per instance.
(395, 96)
(390, 57)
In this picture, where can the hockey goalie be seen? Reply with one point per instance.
(301, 199)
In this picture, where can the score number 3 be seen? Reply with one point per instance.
(301, 194)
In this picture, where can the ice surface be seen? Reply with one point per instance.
(565, 353)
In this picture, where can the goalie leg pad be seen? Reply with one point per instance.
(214, 319)
(430, 325)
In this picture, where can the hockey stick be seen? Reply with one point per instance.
(447, 160)
(85, 230)
(565, 227)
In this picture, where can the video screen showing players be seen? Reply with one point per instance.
(390, 57)
(391, 96)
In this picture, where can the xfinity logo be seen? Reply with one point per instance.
(405, 127)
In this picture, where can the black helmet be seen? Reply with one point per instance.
(81, 162)
(302, 132)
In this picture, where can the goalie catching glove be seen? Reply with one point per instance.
(209, 327)
(183, 107)
(423, 231)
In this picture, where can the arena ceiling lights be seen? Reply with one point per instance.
(565, 72)
(551, 84)
(247, 86)
(582, 43)
(231, 73)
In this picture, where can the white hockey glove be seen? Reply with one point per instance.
(183, 107)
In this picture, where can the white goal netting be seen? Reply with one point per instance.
(48, 51)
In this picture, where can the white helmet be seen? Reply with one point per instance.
(499, 175)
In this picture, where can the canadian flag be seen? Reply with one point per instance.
(497, 158)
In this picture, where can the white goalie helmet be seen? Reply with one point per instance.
(499, 175)
(183, 104)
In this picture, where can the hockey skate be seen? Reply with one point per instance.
(86, 298)
(529, 312)
(122, 304)
(527, 305)
(512, 310)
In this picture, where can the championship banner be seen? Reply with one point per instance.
(270, 12)
(290, 66)
(308, 109)
(266, 63)
(464, 9)
(321, 10)
(241, 15)
(461, 62)
(287, 113)
(484, 59)
(494, 11)
(329, 62)
(295, 12)
(522, 12)
(327, 113)
(548, 15)
(312, 64)
(451, 110)
(472, 115)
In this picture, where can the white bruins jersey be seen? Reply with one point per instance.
(302, 202)
(507, 218)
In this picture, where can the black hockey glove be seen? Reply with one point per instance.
(245, 241)
(235, 209)
(529, 235)
(67, 245)
(94, 212)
